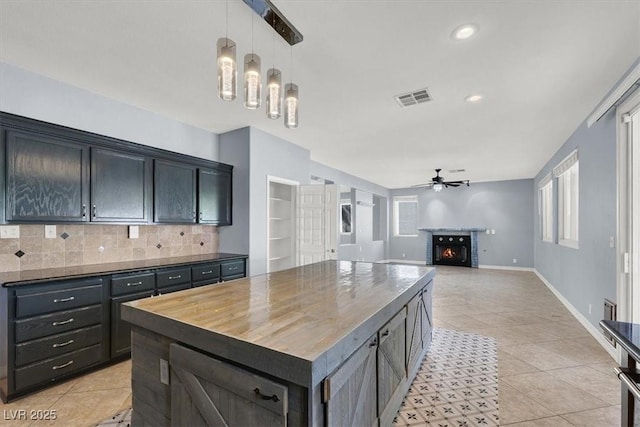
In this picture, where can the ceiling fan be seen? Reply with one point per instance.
(438, 182)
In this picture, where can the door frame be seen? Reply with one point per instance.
(628, 284)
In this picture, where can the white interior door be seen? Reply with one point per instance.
(316, 222)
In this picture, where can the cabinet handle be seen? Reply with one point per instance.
(134, 284)
(385, 333)
(232, 268)
(64, 365)
(62, 322)
(84, 211)
(64, 299)
(62, 344)
(373, 343)
(207, 272)
(94, 211)
(265, 397)
(175, 277)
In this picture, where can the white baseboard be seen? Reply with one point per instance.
(597, 334)
(503, 267)
(403, 261)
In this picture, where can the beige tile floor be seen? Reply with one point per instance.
(551, 371)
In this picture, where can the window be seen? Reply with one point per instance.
(405, 216)
(545, 208)
(345, 214)
(568, 188)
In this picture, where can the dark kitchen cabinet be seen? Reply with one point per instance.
(214, 197)
(119, 183)
(46, 178)
(121, 330)
(174, 192)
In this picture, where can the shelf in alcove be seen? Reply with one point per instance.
(279, 258)
(280, 238)
(279, 219)
(277, 199)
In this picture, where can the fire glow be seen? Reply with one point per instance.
(449, 253)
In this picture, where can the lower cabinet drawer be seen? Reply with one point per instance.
(56, 323)
(173, 277)
(209, 272)
(121, 285)
(64, 299)
(232, 269)
(51, 369)
(55, 345)
(176, 288)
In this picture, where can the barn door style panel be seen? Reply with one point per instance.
(391, 366)
(208, 392)
(414, 334)
(47, 178)
(350, 392)
(427, 321)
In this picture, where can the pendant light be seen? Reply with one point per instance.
(252, 83)
(227, 71)
(291, 102)
(274, 85)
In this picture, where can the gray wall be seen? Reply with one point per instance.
(586, 276)
(32, 95)
(256, 155)
(505, 206)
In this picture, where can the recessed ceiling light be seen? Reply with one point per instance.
(464, 32)
(473, 99)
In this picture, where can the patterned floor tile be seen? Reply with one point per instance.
(457, 384)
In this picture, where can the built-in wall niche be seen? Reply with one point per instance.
(281, 225)
(347, 212)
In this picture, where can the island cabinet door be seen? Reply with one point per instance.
(414, 334)
(427, 315)
(391, 367)
(208, 392)
(350, 392)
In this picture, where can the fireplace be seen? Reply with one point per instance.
(451, 250)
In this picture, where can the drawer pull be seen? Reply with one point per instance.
(207, 272)
(62, 322)
(265, 397)
(175, 277)
(232, 268)
(64, 299)
(62, 344)
(385, 333)
(134, 284)
(64, 365)
(373, 343)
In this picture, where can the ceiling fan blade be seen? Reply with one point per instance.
(452, 184)
(455, 182)
(429, 184)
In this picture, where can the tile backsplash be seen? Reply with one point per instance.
(97, 244)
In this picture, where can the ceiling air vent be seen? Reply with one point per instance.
(413, 98)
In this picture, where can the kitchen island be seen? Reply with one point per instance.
(330, 343)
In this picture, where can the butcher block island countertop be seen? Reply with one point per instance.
(261, 350)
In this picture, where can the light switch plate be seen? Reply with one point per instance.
(10, 232)
(133, 232)
(49, 231)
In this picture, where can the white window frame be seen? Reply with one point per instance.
(545, 208)
(396, 218)
(568, 177)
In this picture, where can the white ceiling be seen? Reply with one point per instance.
(542, 66)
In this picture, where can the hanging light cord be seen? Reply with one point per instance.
(252, 31)
(226, 29)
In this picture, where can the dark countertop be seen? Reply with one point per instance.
(625, 334)
(17, 278)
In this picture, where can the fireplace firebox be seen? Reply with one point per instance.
(452, 250)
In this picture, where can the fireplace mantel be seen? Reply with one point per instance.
(473, 232)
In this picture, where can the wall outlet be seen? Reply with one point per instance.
(515, 260)
(133, 232)
(612, 242)
(488, 231)
(493, 231)
(164, 372)
(404, 255)
(49, 231)
(10, 232)
(589, 308)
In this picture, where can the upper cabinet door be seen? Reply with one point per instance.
(118, 186)
(174, 193)
(214, 197)
(47, 178)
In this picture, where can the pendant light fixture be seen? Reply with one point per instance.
(274, 86)
(291, 98)
(252, 83)
(227, 71)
